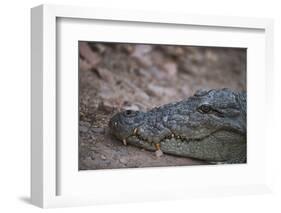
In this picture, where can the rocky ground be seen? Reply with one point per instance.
(114, 77)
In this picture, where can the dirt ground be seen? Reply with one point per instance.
(115, 77)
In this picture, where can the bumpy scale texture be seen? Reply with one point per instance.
(210, 125)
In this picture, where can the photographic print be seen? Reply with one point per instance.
(155, 105)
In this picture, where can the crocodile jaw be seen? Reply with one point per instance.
(209, 148)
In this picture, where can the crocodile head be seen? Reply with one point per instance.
(210, 125)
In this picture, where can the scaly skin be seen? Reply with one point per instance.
(210, 126)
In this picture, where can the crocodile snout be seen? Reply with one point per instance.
(124, 124)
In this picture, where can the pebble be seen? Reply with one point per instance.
(171, 69)
(84, 126)
(83, 129)
(98, 130)
(157, 90)
(85, 123)
(105, 74)
(123, 160)
(103, 157)
(92, 155)
(108, 145)
(106, 106)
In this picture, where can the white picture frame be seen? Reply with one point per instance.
(53, 183)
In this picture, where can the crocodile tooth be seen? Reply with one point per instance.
(125, 142)
(173, 135)
(157, 146)
(135, 131)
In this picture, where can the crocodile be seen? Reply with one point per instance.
(209, 126)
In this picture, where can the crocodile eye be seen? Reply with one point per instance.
(130, 113)
(204, 108)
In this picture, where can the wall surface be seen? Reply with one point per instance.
(15, 105)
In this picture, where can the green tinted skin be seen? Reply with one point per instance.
(210, 126)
